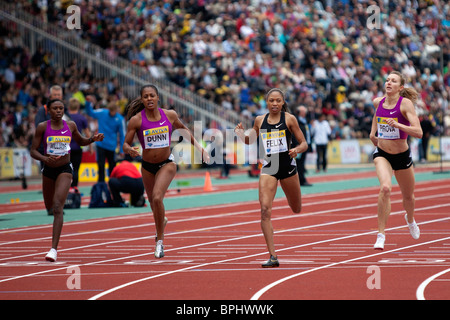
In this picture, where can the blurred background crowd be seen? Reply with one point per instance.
(332, 56)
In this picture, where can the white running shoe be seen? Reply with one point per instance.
(159, 250)
(51, 255)
(379, 245)
(413, 228)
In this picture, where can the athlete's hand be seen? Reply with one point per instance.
(391, 122)
(98, 137)
(293, 153)
(134, 152)
(51, 159)
(205, 156)
(239, 130)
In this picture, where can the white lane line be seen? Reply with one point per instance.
(225, 240)
(258, 295)
(420, 293)
(100, 295)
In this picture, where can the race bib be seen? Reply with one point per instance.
(385, 131)
(274, 142)
(58, 145)
(156, 137)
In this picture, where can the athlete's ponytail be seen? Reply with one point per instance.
(409, 93)
(134, 107)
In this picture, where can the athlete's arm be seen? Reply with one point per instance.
(133, 125)
(409, 112)
(294, 128)
(252, 135)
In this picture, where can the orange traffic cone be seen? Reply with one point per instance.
(208, 185)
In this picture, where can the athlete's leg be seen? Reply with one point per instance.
(267, 190)
(384, 173)
(48, 191)
(156, 187)
(291, 188)
(406, 182)
(62, 186)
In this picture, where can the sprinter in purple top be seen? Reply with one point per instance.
(154, 126)
(155, 134)
(56, 135)
(385, 131)
(394, 120)
(57, 142)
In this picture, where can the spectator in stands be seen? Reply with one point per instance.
(332, 32)
(112, 124)
(55, 92)
(427, 129)
(301, 158)
(321, 131)
(76, 152)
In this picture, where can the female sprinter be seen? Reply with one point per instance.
(154, 126)
(394, 120)
(275, 130)
(57, 172)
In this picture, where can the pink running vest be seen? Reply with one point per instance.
(57, 142)
(384, 130)
(155, 134)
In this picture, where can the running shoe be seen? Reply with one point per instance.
(271, 263)
(159, 250)
(413, 228)
(51, 255)
(379, 245)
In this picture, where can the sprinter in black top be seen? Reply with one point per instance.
(275, 143)
(274, 131)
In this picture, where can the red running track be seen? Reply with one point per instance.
(215, 253)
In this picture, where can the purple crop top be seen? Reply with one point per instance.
(384, 130)
(155, 134)
(57, 142)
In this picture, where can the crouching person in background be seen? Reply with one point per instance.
(126, 178)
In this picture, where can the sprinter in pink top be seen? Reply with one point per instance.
(385, 131)
(394, 120)
(57, 142)
(155, 134)
(56, 135)
(154, 126)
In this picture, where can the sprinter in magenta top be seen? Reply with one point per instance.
(57, 171)
(153, 126)
(395, 119)
(385, 131)
(57, 142)
(155, 134)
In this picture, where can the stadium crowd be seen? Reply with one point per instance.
(331, 56)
